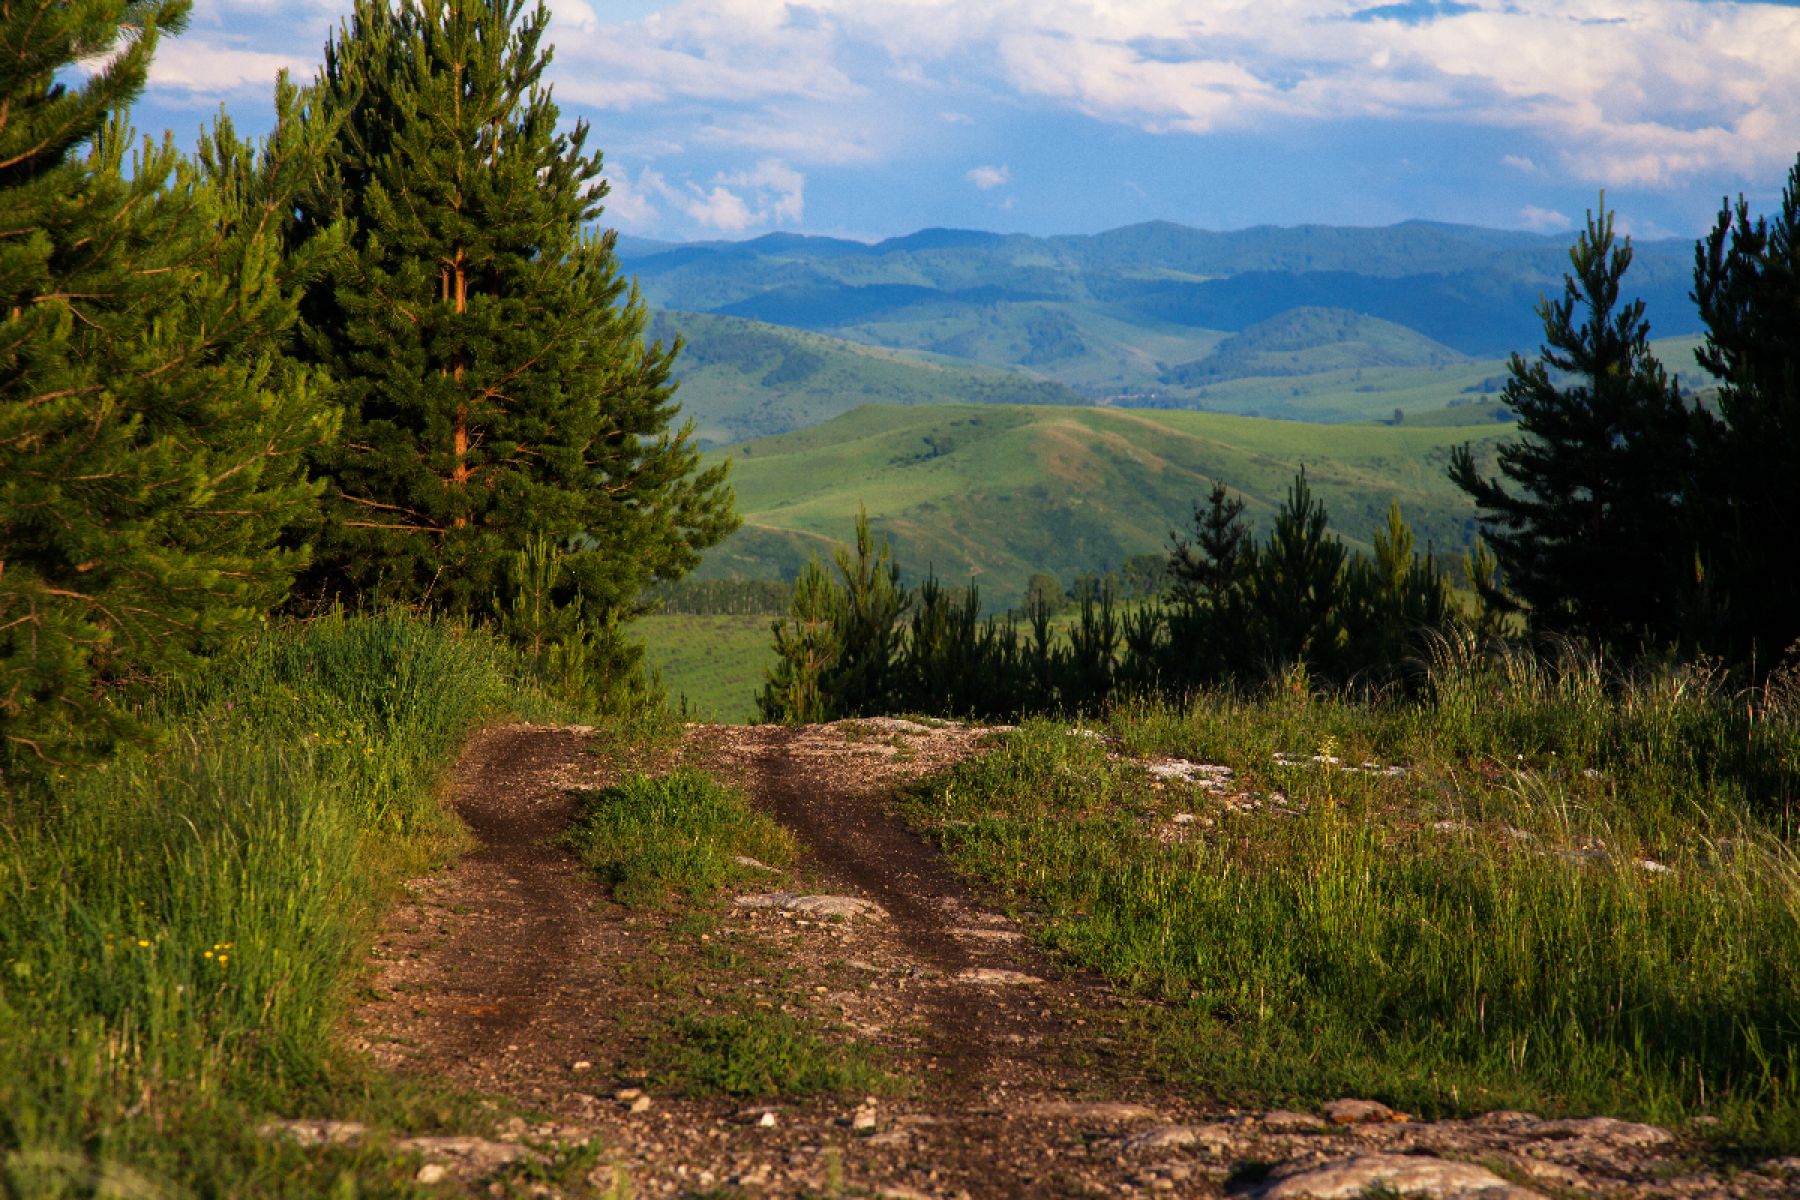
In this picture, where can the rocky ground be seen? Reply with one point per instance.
(1003, 1075)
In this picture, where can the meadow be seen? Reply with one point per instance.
(994, 494)
(711, 667)
(182, 924)
(1544, 886)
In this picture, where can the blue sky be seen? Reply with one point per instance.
(869, 118)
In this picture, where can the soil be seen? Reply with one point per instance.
(514, 974)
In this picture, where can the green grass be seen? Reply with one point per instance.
(179, 926)
(997, 493)
(763, 1054)
(711, 665)
(655, 839)
(1343, 941)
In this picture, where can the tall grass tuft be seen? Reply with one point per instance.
(177, 926)
(1579, 896)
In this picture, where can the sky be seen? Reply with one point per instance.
(873, 118)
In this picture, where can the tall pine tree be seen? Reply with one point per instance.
(1297, 585)
(1747, 284)
(496, 384)
(150, 446)
(1591, 541)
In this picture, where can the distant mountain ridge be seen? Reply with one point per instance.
(1470, 288)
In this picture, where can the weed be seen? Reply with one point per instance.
(676, 834)
(761, 1053)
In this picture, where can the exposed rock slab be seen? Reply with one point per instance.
(846, 907)
(1407, 1174)
(1092, 1110)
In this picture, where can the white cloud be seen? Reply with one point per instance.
(779, 190)
(1543, 220)
(770, 193)
(1519, 162)
(196, 67)
(1624, 91)
(988, 178)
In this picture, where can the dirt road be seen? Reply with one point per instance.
(514, 974)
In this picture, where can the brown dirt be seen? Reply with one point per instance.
(514, 974)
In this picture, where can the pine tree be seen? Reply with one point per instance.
(1589, 542)
(1208, 576)
(150, 445)
(1747, 504)
(1296, 584)
(806, 645)
(497, 387)
(1390, 598)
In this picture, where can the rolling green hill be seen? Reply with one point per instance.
(995, 493)
(1312, 341)
(742, 379)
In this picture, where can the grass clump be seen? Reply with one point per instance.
(178, 925)
(1592, 910)
(762, 1053)
(654, 838)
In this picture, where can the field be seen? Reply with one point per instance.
(995, 494)
(711, 666)
(1540, 886)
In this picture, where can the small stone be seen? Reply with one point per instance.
(1284, 1121)
(627, 1095)
(996, 977)
(1176, 1137)
(863, 1119)
(582, 1065)
(744, 860)
(432, 1173)
(641, 1104)
(315, 1133)
(766, 1121)
(1359, 1112)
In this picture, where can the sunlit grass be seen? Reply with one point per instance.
(1577, 897)
(681, 835)
(178, 926)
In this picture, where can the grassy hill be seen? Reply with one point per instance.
(1312, 341)
(743, 379)
(996, 493)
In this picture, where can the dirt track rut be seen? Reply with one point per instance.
(514, 974)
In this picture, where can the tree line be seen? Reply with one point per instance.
(376, 357)
(856, 641)
(1627, 514)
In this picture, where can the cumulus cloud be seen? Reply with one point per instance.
(1650, 92)
(1543, 220)
(988, 178)
(197, 68)
(769, 193)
